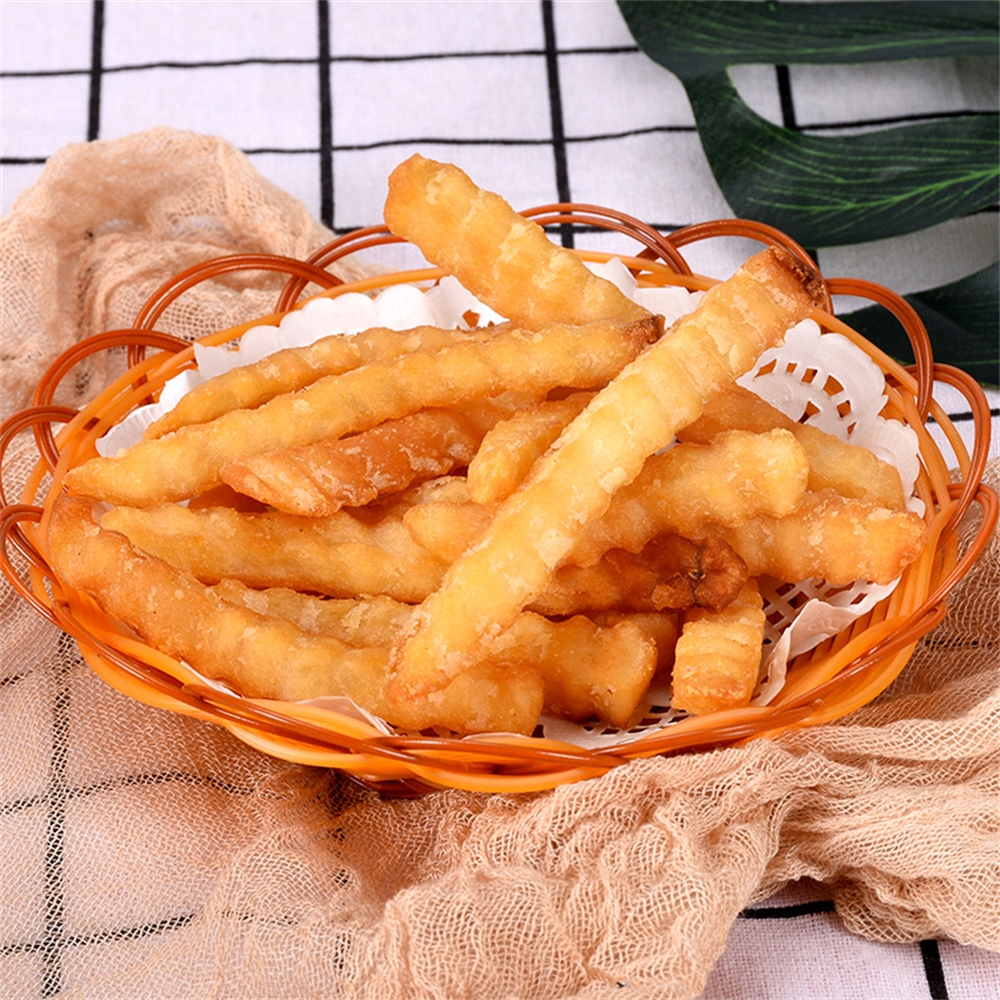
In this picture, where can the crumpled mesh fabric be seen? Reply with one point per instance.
(109, 222)
(146, 852)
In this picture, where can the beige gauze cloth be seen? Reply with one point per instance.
(146, 853)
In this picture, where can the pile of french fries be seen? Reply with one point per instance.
(464, 530)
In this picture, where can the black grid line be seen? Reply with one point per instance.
(55, 830)
(785, 912)
(144, 779)
(99, 70)
(133, 933)
(209, 64)
(556, 115)
(96, 72)
(785, 96)
(325, 115)
(930, 953)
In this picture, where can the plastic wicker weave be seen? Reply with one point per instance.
(827, 683)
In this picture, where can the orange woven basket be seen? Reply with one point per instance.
(828, 682)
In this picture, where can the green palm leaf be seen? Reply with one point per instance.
(833, 191)
(851, 189)
(828, 191)
(698, 37)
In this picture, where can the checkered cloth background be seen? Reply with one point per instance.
(542, 101)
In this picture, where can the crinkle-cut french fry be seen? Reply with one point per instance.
(738, 476)
(178, 615)
(489, 699)
(512, 446)
(829, 537)
(316, 480)
(718, 655)
(663, 627)
(337, 555)
(670, 572)
(443, 489)
(589, 671)
(265, 656)
(448, 527)
(358, 621)
(225, 496)
(248, 386)
(188, 461)
(395, 505)
(849, 469)
(636, 415)
(505, 260)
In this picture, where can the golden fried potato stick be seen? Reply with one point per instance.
(509, 450)
(829, 537)
(357, 621)
(680, 491)
(248, 386)
(589, 671)
(188, 461)
(316, 480)
(448, 527)
(489, 699)
(738, 476)
(443, 489)
(851, 470)
(338, 555)
(718, 655)
(263, 656)
(663, 627)
(636, 415)
(670, 572)
(505, 260)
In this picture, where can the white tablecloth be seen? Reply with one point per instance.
(542, 102)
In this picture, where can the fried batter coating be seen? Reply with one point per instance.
(670, 573)
(590, 671)
(832, 538)
(635, 416)
(717, 658)
(663, 627)
(357, 621)
(850, 470)
(680, 491)
(338, 555)
(188, 461)
(738, 476)
(263, 656)
(316, 480)
(248, 386)
(448, 527)
(505, 260)
(513, 445)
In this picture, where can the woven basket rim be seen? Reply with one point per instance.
(858, 664)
